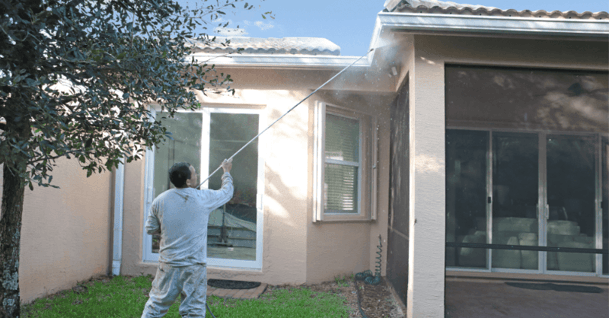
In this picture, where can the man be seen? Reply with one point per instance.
(180, 215)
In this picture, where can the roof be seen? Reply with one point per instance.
(247, 45)
(447, 7)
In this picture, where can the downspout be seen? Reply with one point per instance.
(117, 244)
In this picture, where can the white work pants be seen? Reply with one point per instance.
(169, 282)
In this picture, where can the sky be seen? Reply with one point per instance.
(349, 23)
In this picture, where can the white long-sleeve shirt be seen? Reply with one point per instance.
(182, 216)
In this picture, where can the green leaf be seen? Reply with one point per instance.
(139, 50)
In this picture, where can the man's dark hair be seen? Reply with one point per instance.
(179, 173)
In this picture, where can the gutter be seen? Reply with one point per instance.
(282, 61)
(473, 24)
(117, 242)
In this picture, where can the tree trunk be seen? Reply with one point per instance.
(10, 236)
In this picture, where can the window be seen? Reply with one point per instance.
(342, 165)
(204, 139)
(344, 181)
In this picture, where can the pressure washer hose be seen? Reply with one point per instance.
(315, 91)
(212, 314)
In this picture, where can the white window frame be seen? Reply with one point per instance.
(148, 255)
(367, 172)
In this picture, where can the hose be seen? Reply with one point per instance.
(367, 276)
(212, 314)
(376, 279)
(359, 301)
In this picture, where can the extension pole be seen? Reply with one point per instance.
(315, 91)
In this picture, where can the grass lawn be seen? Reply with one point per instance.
(125, 297)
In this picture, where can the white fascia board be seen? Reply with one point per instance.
(492, 24)
(377, 32)
(285, 61)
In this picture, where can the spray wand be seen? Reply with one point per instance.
(315, 91)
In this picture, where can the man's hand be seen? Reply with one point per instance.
(227, 164)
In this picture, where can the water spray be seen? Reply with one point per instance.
(315, 91)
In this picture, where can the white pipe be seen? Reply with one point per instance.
(117, 244)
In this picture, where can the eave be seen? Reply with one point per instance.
(281, 61)
(472, 25)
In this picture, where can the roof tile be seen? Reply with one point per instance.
(289, 45)
(448, 7)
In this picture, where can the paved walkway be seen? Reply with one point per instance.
(522, 299)
(237, 293)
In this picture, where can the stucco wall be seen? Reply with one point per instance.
(342, 248)
(66, 232)
(294, 250)
(284, 149)
(427, 178)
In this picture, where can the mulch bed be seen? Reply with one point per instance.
(377, 301)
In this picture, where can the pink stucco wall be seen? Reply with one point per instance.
(66, 233)
(295, 251)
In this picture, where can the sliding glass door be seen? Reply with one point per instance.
(515, 185)
(204, 139)
(570, 216)
(525, 188)
(233, 230)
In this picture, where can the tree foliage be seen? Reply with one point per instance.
(76, 75)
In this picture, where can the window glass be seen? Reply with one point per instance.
(184, 147)
(515, 197)
(232, 227)
(341, 188)
(341, 174)
(342, 138)
(466, 220)
(571, 166)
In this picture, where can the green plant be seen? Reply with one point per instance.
(342, 281)
(125, 298)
